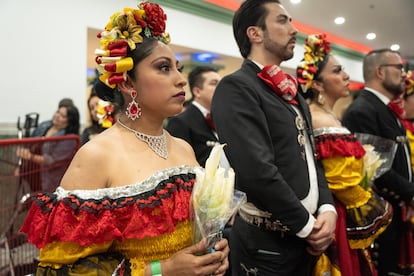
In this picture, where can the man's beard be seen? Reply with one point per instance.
(275, 48)
(395, 89)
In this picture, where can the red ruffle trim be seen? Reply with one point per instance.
(333, 145)
(91, 221)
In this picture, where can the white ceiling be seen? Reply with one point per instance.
(391, 20)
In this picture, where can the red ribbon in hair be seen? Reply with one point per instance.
(118, 48)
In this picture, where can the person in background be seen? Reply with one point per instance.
(195, 125)
(40, 129)
(289, 219)
(94, 128)
(102, 116)
(54, 156)
(372, 113)
(403, 108)
(323, 81)
(123, 203)
(407, 111)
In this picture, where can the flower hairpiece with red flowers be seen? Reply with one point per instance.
(125, 29)
(316, 49)
(409, 83)
(105, 113)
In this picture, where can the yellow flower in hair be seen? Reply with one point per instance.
(139, 14)
(112, 21)
(409, 83)
(129, 30)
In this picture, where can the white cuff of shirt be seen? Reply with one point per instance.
(305, 231)
(327, 207)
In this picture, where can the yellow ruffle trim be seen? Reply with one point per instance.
(365, 243)
(324, 267)
(344, 175)
(139, 252)
(57, 254)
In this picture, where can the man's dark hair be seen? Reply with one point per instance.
(195, 77)
(250, 13)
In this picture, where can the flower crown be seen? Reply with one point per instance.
(409, 83)
(105, 113)
(124, 30)
(316, 48)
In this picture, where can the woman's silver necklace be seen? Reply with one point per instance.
(157, 144)
(330, 112)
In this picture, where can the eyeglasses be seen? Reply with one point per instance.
(398, 66)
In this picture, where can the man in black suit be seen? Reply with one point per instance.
(195, 124)
(369, 113)
(289, 218)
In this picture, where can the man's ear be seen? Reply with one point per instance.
(379, 72)
(254, 33)
(196, 92)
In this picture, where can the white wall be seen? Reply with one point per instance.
(43, 51)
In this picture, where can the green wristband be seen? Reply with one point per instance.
(156, 268)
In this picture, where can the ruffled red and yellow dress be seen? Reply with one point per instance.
(406, 262)
(362, 215)
(112, 231)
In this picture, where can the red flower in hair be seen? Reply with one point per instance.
(154, 17)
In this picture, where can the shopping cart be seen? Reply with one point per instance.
(19, 181)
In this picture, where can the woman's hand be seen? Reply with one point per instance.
(24, 153)
(223, 246)
(192, 261)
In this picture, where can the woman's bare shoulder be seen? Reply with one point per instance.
(321, 119)
(89, 168)
(183, 150)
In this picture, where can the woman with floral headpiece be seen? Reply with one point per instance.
(362, 215)
(103, 115)
(407, 110)
(122, 207)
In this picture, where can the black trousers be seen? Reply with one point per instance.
(258, 252)
(388, 245)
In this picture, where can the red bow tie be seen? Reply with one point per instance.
(210, 121)
(283, 84)
(397, 106)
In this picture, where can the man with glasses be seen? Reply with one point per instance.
(370, 112)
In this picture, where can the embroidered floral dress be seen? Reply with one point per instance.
(97, 232)
(362, 216)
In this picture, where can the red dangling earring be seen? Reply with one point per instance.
(133, 111)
